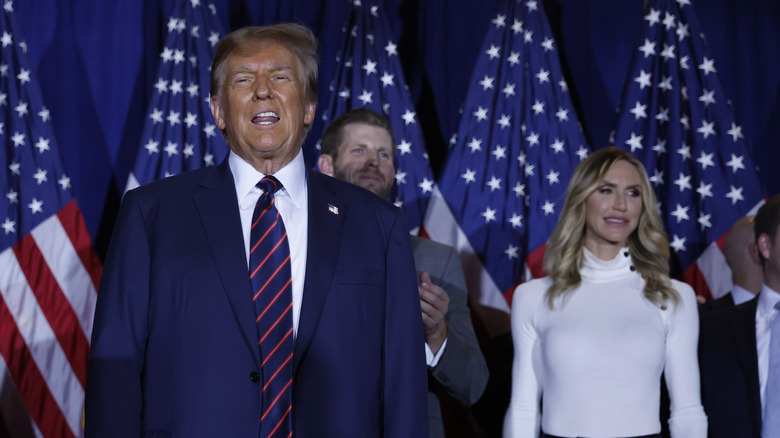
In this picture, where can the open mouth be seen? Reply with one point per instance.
(616, 220)
(265, 118)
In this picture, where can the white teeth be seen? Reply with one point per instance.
(610, 219)
(267, 114)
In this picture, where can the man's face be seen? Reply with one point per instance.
(365, 158)
(262, 105)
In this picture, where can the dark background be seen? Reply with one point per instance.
(96, 62)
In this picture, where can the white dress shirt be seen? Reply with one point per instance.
(765, 315)
(292, 203)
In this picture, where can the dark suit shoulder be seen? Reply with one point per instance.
(720, 320)
(350, 192)
(184, 182)
(712, 305)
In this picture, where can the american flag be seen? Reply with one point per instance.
(518, 142)
(50, 272)
(368, 74)
(180, 133)
(675, 118)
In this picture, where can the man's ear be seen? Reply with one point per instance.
(764, 245)
(216, 111)
(309, 111)
(325, 164)
(753, 252)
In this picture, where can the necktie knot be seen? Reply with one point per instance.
(269, 184)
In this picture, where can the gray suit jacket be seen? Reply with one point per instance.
(461, 371)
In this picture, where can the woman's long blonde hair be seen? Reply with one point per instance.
(648, 243)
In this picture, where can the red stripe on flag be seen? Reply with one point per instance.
(509, 293)
(695, 278)
(73, 222)
(722, 241)
(29, 382)
(53, 303)
(535, 262)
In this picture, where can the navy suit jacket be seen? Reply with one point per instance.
(713, 305)
(174, 346)
(728, 362)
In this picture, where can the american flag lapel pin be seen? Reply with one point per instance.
(333, 209)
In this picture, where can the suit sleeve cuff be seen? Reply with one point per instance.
(431, 359)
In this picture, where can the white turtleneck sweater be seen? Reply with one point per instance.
(597, 359)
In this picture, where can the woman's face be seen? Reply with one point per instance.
(612, 210)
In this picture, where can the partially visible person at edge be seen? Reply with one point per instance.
(742, 257)
(176, 346)
(735, 347)
(592, 339)
(358, 147)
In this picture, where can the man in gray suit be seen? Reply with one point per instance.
(358, 147)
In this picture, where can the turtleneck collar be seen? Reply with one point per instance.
(596, 270)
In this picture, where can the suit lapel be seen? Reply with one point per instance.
(218, 209)
(744, 337)
(326, 219)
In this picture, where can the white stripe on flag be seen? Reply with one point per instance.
(716, 272)
(41, 341)
(442, 227)
(74, 280)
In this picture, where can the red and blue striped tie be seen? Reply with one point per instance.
(269, 264)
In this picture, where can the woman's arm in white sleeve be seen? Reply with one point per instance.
(687, 419)
(522, 417)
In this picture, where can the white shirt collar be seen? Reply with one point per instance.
(741, 295)
(767, 300)
(292, 176)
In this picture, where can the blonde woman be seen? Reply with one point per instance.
(593, 337)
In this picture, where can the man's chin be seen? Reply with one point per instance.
(375, 188)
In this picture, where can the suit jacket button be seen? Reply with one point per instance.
(254, 376)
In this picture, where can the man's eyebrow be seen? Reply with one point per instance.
(248, 69)
(240, 70)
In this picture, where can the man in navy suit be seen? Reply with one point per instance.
(358, 147)
(734, 343)
(175, 343)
